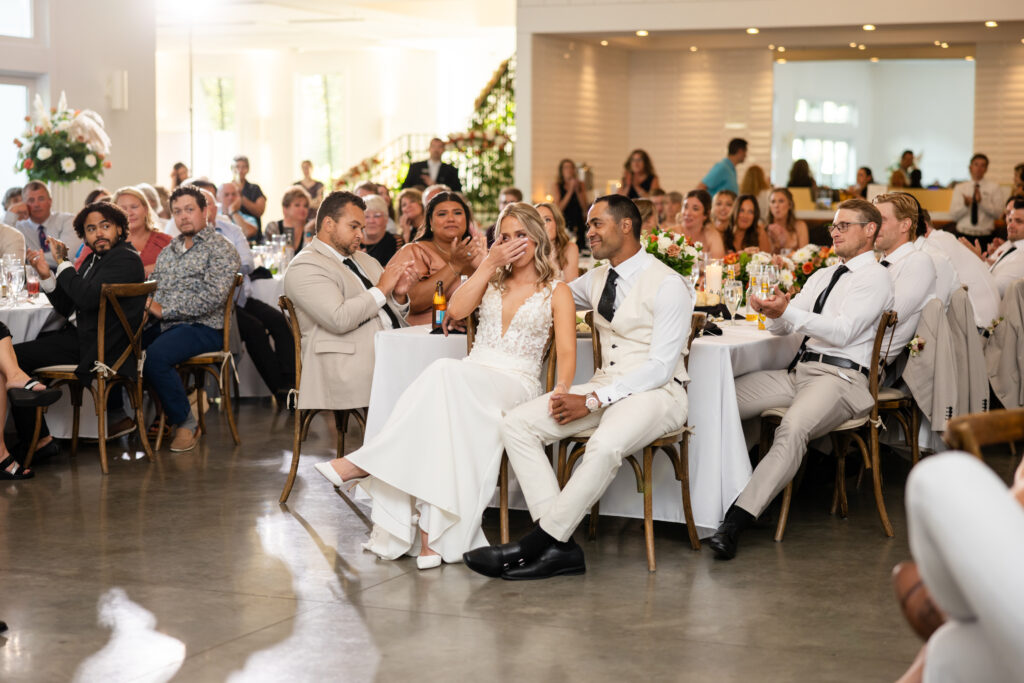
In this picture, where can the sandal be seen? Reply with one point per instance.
(27, 397)
(154, 430)
(19, 471)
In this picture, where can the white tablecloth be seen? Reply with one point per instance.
(27, 319)
(719, 465)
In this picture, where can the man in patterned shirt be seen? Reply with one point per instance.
(194, 275)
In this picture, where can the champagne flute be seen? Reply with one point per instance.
(732, 292)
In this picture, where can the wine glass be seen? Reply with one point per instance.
(732, 292)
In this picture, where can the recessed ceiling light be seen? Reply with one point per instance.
(693, 48)
(771, 46)
(868, 27)
(604, 43)
(991, 24)
(874, 59)
(780, 61)
(853, 44)
(944, 46)
(782, 48)
(642, 33)
(937, 43)
(861, 47)
(753, 31)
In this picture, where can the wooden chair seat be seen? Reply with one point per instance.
(887, 394)
(56, 371)
(665, 440)
(212, 358)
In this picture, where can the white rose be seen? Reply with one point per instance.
(90, 160)
(786, 278)
(44, 153)
(62, 126)
(67, 164)
(690, 251)
(831, 260)
(663, 242)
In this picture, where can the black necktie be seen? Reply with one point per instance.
(974, 205)
(819, 304)
(606, 306)
(43, 244)
(885, 263)
(366, 283)
(1005, 254)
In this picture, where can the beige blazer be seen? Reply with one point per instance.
(972, 377)
(1004, 355)
(931, 375)
(11, 241)
(339, 318)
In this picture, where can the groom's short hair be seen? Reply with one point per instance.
(621, 207)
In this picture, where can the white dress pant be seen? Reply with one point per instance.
(967, 536)
(622, 428)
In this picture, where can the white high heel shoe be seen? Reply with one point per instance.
(329, 473)
(428, 561)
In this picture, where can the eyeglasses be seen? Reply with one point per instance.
(843, 227)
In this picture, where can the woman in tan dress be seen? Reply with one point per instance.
(697, 225)
(785, 232)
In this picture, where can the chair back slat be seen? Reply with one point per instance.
(111, 296)
(229, 308)
(288, 309)
(697, 321)
(886, 324)
(972, 432)
(595, 339)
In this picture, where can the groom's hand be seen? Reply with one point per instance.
(568, 407)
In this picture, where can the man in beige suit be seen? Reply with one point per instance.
(343, 298)
(11, 241)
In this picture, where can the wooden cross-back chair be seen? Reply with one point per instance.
(973, 432)
(851, 430)
(674, 444)
(303, 418)
(105, 375)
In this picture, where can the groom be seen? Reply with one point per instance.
(643, 311)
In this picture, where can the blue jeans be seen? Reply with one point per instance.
(166, 349)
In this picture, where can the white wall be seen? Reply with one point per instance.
(999, 114)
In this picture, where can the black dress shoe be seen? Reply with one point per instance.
(724, 542)
(561, 559)
(493, 560)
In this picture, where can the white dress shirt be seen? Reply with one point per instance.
(58, 225)
(848, 322)
(973, 273)
(1008, 264)
(946, 279)
(377, 295)
(669, 332)
(989, 208)
(913, 284)
(433, 168)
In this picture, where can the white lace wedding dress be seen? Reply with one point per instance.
(434, 464)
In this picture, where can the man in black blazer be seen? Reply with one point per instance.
(76, 295)
(433, 171)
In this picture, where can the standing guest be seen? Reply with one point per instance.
(295, 207)
(638, 178)
(443, 253)
(570, 194)
(721, 209)
(976, 204)
(433, 171)
(313, 186)
(565, 254)
(98, 195)
(745, 228)
(254, 202)
(142, 232)
(230, 199)
(42, 223)
(377, 241)
(1006, 262)
(179, 174)
(837, 311)
(785, 232)
(642, 310)
(800, 176)
(104, 228)
(755, 182)
(864, 178)
(970, 270)
(722, 175)
(906, 165)
(696, 225)
(410, 213)
(194, 275)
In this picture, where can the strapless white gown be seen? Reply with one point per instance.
(435, 462)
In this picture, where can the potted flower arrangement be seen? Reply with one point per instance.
(63, 145)
(673, 250)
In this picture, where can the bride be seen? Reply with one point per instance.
(432, 468)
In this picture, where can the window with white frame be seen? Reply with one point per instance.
(832, 162)
(16, 18)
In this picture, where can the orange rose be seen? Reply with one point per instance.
(107, 164)
(28, 164)
(808, 268)
(731, 258)
(17, 142)
(673, 250)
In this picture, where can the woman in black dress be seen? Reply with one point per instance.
(638, 178)
(571, 197)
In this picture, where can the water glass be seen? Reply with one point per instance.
(15, 271)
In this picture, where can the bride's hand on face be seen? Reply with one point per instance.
(503, 253)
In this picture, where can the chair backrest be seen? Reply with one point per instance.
(288, 309)
(229, 308)
(697, 321)
(971, 432)
(111, 296)
(886, 324)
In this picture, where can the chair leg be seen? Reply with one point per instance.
(136, 393)
(200, 380)
(160, 429)
(876, 475)
(503, 497)
(780, 527)
(684, 479)
(560, 466)
(341, 426)
(100, 399)
(35, 436)
(225, 397)
(296, 446)
(649, 507)
(75, 390)
(915, 427)
(840, 444)
(595, 512)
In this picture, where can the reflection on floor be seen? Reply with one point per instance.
(201, 576)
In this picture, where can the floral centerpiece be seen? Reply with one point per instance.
(673, 250)
(809, 259)
(63, 145)
(747, 262)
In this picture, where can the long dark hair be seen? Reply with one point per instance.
(648, 166)
(800, 174)
(440, 197)
(750, 236)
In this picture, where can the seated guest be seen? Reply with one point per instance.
(443, 253)
(12, 241)
(675, 208)
(745, 228)
(433, 171)
(104, 228)
(342, 297)
(97, 195)
(1018, 181)
(826, 384)
(508, 195)
(14, 208)
(638, 177)
(970, 270)
(314, 187)
(1008, 259)
(142, 232)
(163, 224)
(912, 271)
(915, 179)
(800, 176)
(864, 178)
(721, 209)
(785, 232)
(648, 217)
(946, 279)
(570, 195)
(565, 254)
(660, 199)
(194, 275)
(43, 223)
(432, 192)
(164, 211)
(377, 241)
(410, 213)
(898, 179)
(295, 207)
(755, 182)
(230, 199)
(722, 175)
(697, 226)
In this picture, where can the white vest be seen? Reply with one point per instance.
(626, 341)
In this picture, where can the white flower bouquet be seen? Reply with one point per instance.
(63, 145)
(673, 250)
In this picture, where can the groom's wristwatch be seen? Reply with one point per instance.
(593, 402)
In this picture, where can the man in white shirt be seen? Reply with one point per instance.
(642, 311)
(976, 204)
(970, 270)
(912, 271)
(42, 223)
(1008, 260)
(837, 311)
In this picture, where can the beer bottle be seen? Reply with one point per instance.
(440, 306)
(752, 289)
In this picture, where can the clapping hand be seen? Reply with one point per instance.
(58, 249)
(37, 260)
(976, 247)
(463, 253)
(397, 278)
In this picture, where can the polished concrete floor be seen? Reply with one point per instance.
(187, 569)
